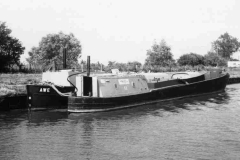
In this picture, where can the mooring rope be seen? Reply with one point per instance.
(60, 93)
(53, 87)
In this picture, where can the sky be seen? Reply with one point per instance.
(123, 30)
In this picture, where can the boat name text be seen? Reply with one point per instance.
(45, 90)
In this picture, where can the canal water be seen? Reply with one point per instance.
(206, 127)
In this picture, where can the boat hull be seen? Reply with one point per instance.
(95, 104)
(41, 97)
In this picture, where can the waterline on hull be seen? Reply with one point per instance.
(138, 104)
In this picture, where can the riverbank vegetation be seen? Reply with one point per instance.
(15, 84)
(159, 58)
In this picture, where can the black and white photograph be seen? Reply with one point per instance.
(119, 80)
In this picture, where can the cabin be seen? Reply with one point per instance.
(131, 84)
(110, 86)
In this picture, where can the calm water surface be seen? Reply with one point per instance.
(206, 127)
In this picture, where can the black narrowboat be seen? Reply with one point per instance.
(114, 96)
(79, 92)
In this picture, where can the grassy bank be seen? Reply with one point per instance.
(15, 84)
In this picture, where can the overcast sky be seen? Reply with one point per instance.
(123, 30)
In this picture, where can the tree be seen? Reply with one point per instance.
(115, 65)
(192, 59)
(96, 66)
(213, 59)
(226, 45)
(133, 66)
(49, 51)
(121, 66)
(160, 54)
(111, 64)
(10, 49)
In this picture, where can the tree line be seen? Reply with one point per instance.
(10, 49)
(49, 53)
